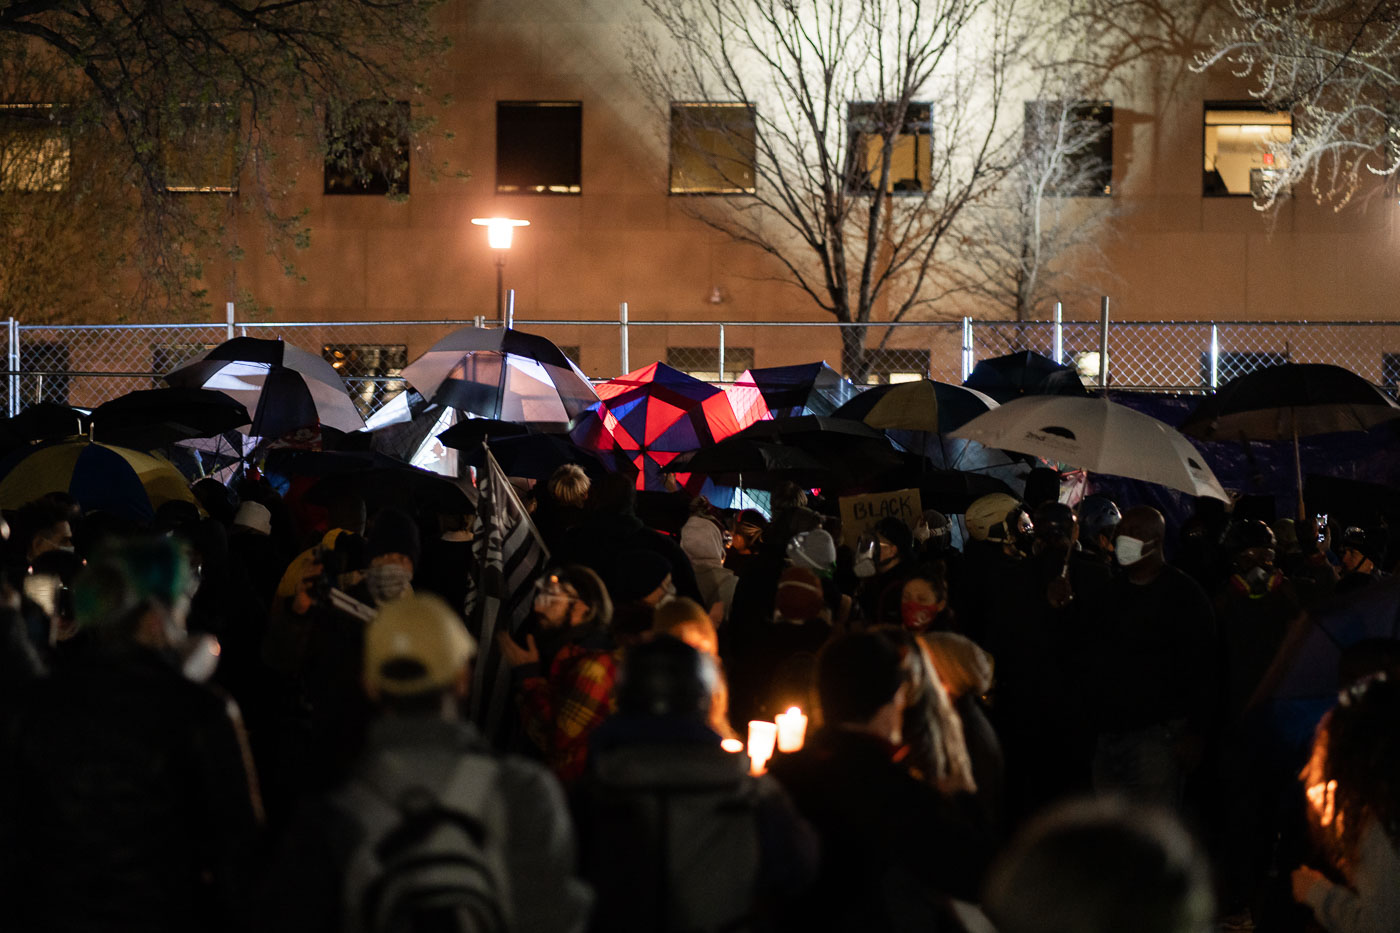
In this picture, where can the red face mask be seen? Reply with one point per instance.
(917, 616)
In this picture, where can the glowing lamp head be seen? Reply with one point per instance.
(499, 230)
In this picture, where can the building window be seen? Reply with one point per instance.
(539, 147)
(373, 373)
(703, 362)
(1073, 140)
(892, 365)
(35, 151)
(367, 148)
(46, 366)
(713, 149)
(200, 150)
(1239, 141)
(875, 128)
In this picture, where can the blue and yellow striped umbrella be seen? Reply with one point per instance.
(112, 479)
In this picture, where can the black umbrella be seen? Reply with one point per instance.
(1290, 401)
(502, 373)
(284, 388)
(156, 417)
(470, 432)
(45, 421)
(806, 389)
(1020, 374)
(534, 455)
(848, 447)
(381, 480)
(922, 405)
(740, 461)
(1307, 664)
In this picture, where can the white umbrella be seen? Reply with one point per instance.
(1097, 435)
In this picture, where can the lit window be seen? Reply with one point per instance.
(35, 154)
(713, 149)
(539, 146)
(875, 129)
(1080, 136)
(893, 365)
(199, 149)
(367, 148)
(703, 362)
(373, 373)
(1239, 142)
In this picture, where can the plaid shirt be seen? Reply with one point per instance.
(561, 711)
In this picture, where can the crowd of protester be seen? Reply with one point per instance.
(253, 715)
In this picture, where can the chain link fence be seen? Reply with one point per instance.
(87, 365)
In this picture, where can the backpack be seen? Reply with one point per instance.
(431, 859)
(672, 843)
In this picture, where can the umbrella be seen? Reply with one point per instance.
(1290, 401)
(922, 405)
(284, 388)
(100, 476)
(806, 389)
(850, 447)
(653, 414)
(534, 456)
(1098, 435)
(1017, 375)
(156, 417)
(380, 479)
(742, 461)
(502, 373)
(1307, 664)
(45, 421)
(469, 432)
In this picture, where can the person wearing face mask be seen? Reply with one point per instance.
(1151, 668)
(163, 840)
(564, 681)
(1255, 609)
(882, 563)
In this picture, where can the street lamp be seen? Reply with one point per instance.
(499, 231)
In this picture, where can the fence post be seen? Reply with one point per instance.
(1103, 343)
(622, 334)
(14, 358)
(1059, 332)
(510, 308)
(721, 353)
(228, 317)
(1215, 356)
(967, 348)
(479, 321)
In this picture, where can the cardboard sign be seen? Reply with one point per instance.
(860, 513)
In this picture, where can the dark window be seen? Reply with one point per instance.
(367, 148)
(713, 149)
(200, 149)
(373, 373)
(884, 366)
(35, 151)
(1240, 142)
(539, 147)
(703, 362)
(905, 135)
(1073, 140)
(46, 369)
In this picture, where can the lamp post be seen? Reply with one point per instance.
(499, 231)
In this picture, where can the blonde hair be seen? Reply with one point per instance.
(568, 485)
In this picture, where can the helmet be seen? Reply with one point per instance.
(1054, 520)
(1098, 515)
(1250, 534)
(986, 517)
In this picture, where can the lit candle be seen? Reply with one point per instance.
(733, 746)
(762, 737)
(792, 730)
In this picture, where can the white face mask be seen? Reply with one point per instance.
(1128, 550)
(387, 582)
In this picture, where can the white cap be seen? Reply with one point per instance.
(254, 516)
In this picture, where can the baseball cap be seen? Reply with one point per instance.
(415, 645)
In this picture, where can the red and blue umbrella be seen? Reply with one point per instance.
(652, 415)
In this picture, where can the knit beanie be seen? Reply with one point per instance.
(394, 532)
(638, 573)
(895, 532)
(799, 595)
